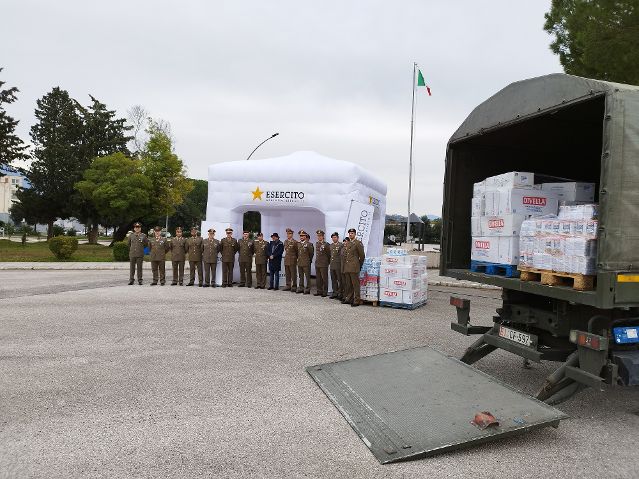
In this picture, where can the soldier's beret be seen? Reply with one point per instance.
(335, 234)
(319, 232)
(275, 235)
(136, 224)
(352, 230)
(211, 230)
(157, 228)
(229, 229)
(289, 230)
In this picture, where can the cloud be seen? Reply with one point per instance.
(329, 76)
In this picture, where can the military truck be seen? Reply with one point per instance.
(568, 127)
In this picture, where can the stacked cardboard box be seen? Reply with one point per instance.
(369, 279)
(403, 280)
(500, 205)
(564, 244)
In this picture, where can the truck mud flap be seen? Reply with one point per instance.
(419, 402)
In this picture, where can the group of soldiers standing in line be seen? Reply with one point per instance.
(343, 259)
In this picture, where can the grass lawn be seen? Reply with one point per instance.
(14, 251)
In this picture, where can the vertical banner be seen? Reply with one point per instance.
(360, 217)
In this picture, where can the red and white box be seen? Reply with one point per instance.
(485, 248)
(403, 283)
(401, 296)
(400, 271)
(512, 179)
(505, 225)
(524, 201)
(392, 260)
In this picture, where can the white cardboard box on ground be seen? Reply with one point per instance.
(403, 283)
(504, 225)
(409, 259)
(477, 206)
(524, 201)
(475, 226)
(508, 250)
(511, 179)
(401, 296)
(401, 271)
(571, 191)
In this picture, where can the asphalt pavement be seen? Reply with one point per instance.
(102, 379)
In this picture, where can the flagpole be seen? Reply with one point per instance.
(410, 162)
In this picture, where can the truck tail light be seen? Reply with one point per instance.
(459, 302)
(588, 340)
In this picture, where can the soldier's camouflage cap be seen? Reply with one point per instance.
(319, 232)
(178, 228)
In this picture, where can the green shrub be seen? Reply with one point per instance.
(72, 232)
(121, 251)
(63, 246)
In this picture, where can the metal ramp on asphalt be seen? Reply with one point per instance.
(418, 402)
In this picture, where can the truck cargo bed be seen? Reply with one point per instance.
(558, 292)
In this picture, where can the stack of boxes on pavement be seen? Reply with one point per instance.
(564, 244)
(502, 204)
(403, 279)
(369, 279)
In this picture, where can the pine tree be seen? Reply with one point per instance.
(11, 146)
(103, 134)
(57, 159)
(596, 38)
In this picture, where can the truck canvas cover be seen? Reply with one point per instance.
(419, 402)
(619, 126)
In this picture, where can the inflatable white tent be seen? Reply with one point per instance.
(303, 190)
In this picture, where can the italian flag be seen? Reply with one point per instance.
(421, 82)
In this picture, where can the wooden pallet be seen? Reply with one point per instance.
(495, 269)
(402, 306)
(372, 303)
(578, 282)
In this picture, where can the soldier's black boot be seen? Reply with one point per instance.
(189, 284)
(205, 285)
(140, 282)
(154, 283)
(173, 283)
(316, 294)
(131, 282)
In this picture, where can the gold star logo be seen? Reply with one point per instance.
(257, 194)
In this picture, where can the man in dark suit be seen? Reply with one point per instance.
(275, 252)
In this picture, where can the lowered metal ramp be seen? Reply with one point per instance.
(418, 402)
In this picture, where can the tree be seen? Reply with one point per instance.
(117, 188)
(102, 134)
(141, 122)
(166, 171)
(57, 160)
(11, 146)
(596, 38)
(193, 210)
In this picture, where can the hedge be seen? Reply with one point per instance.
(63, 246)
(121, 251)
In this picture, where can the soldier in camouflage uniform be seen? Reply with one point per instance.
(158, 246)
(194, 253)
(346, 288)
(228, 247)
(290, 261)
(246, 260)
(178, 256)
(305, 252)
(261, 257)
(336, 266)
(322, 260)
(137, 241)
(210, 249)
(353, 261)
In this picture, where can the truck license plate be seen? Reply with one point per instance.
(517, 336)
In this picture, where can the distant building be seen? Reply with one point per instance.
(9, 185)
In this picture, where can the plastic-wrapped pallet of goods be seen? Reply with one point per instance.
(369, 279)
(403, 280)
(563, 245)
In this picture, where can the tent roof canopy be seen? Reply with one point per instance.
(298, 167)
(531, 97)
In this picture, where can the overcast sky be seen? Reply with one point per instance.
(331, 76)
